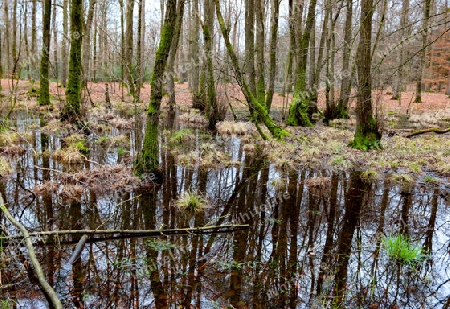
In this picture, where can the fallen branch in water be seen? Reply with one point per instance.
(435, 130)
(139, 233)
(47, 289)
(77, 252)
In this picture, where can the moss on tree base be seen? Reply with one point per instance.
(369, 141)
(298, 113)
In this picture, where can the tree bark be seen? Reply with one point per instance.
(44, 95)
(55, 44)
(33, 66)
(274, 129)
(14, 39)
(172, 54)
(129, 76)
(140, 50)
(147, 160)
(72, 109)
(346, 84)
(208, 30)
(404, 21)
(250, 44)
(425, 31)
(6, 48)
(273, 53)
(86, 44)
(367, 134)
(259, 51)
(300, 104)
(64, 40)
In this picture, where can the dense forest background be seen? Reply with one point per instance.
(329, 51)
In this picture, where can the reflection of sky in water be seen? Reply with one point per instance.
(101, 259)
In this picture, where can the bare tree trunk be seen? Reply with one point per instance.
(172, 54)
(64, 40)
(331, 111)
(6, 48)
(14, 39)
(122, 48)
(250, 44)
(33, 66)
(425, 31)
(129, 76)
(208, 31)
(273, 52)
(292, 51)
(86, 49)
(140, 49)
(194, 81)
(259, 51)
(25, 38)
(404, 21)
(346, 84)
(55, 44)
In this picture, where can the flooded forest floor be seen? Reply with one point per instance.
(328, 226)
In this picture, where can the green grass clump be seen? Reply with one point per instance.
(400, 248)
(82, 148)
(431, 179)
(181, 136)
(191, 201)
(369, 175)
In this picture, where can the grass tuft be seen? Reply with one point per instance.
(399, 247)
(191, 201)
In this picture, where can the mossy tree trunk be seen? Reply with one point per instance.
(44, 93)
(72, 109)
(367, 134)
(300, 104)
(208, 28)
(147, 160)
(274, 129)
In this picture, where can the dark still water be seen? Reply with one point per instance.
(316, 238)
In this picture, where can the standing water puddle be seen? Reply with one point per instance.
(316, 238)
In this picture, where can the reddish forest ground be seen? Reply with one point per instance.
(432, 101)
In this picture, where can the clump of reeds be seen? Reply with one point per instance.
(191, 201)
